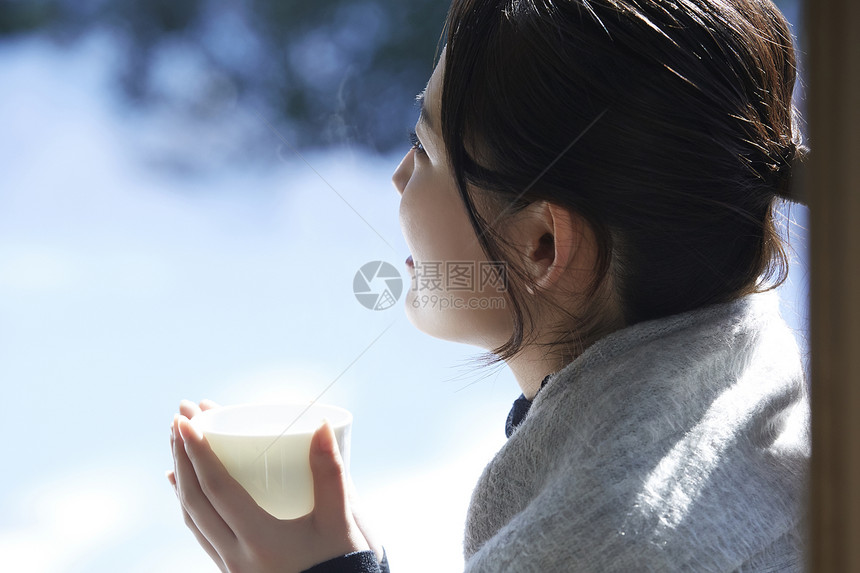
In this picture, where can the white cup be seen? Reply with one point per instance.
(265, 447)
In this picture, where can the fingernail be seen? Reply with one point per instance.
(326, 424)
(187, 430)
(329, 440)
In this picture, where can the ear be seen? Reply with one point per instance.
(552, 239)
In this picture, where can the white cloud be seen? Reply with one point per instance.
(65, 519)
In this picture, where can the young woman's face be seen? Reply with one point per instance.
(455, 294)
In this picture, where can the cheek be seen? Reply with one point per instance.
(407, 217)
(436, 225)
(445, 301)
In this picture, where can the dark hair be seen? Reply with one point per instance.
(668, 125)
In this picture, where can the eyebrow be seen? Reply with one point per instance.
(424, 116)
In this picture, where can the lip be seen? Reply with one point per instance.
(409, 262)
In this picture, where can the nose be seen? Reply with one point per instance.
(404, 171)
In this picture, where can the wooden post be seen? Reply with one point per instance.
(832, 184)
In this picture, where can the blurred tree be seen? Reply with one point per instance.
(327, 72)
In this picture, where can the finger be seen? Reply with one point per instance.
(235, 506)
(193, 500)
(204, 543)
(201, 539)
(208, 405)
(330, 487)
(188, 409)
(171, 475)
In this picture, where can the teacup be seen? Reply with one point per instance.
(265, 447)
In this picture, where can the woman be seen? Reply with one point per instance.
(616, 163)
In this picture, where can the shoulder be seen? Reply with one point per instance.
(684, 442)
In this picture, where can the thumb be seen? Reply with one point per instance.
(330, 487)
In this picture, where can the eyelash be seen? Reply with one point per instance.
(416, 143)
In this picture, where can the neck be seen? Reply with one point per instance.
(545, 356)
(536, 361)
(532, 365)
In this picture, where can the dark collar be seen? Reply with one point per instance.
(519, 410)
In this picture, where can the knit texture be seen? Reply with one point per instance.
(679, 444)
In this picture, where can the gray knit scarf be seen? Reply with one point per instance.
(679, 444)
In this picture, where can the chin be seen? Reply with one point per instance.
(485, 329)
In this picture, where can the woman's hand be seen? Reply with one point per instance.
(240, 536)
